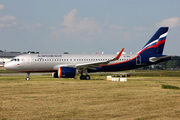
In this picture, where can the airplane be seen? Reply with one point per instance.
(68, 65)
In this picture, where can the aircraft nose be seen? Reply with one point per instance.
(8, 66)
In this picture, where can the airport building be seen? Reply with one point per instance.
(7, 56)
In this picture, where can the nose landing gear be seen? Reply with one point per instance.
(27, 78)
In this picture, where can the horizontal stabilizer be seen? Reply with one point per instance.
(155, 59)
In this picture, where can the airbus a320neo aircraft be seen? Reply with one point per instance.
(68, 65)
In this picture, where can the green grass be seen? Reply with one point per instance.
(143, 73)
(133, 73)
(170, 87)
(153, 73)
(7, 71)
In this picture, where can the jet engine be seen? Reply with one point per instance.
(65, 72)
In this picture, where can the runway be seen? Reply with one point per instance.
(23, 74)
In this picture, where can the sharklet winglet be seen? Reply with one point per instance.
(119, 55)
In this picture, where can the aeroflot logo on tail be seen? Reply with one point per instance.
(49, 56)
(160, 40)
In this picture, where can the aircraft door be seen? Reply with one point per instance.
(138, 60)
(28, 60)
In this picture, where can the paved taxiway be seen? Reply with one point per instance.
(23, 74)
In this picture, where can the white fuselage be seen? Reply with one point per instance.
(50, 62)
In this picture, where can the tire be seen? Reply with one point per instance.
(87, 77)
(82, 77)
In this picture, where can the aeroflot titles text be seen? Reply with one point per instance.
(49, 55)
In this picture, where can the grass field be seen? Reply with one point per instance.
(46, 98)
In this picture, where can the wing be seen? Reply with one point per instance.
(91, 65)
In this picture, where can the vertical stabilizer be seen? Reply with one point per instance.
(156, 44)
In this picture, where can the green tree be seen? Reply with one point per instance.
(175, 63)
(169, 64)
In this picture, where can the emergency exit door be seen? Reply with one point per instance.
(138, 60)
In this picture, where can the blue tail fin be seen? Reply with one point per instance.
(156, 44)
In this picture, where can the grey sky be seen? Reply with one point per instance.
(83, 26)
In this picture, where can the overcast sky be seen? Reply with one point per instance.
(87, 26)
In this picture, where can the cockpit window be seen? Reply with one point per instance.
(15, 59)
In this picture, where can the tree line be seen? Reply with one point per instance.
(174, 63)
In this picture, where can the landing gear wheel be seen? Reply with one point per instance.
(82, 77)
(27, 78)
(87, 77)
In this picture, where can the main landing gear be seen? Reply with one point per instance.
(27, 78)
(84, 77)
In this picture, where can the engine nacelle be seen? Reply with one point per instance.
(66, 72)
(55, 75)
